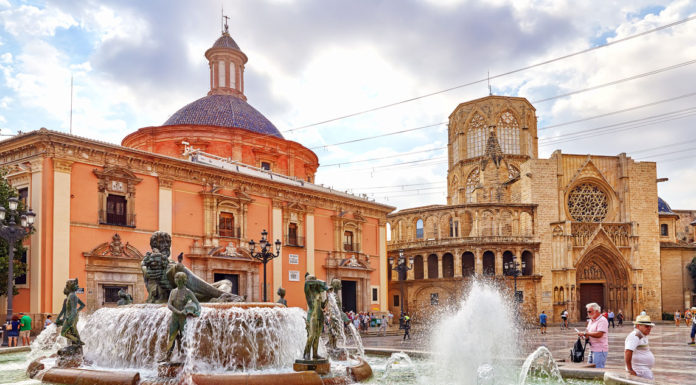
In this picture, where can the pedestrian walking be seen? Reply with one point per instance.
(542, 321)
(637, 355)
(383, 326)
(677, 318)
(598, 332)
(611, 318)
(620, 318)
(564, 319)
(693, 327)
(687, 317)
(407, 327)
(25, 329)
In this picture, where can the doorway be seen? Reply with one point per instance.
(349, 296)
(590, 292)
(233, 278)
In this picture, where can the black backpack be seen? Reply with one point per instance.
(577, 353)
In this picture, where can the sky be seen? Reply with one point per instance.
(135, 63)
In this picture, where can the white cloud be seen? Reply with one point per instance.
(28, 21)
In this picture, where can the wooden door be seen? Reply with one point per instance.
(590, 292)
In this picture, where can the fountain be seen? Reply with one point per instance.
(184, 341)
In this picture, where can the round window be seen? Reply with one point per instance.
(588, 203)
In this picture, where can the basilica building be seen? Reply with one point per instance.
(572, 229)
(215, 175)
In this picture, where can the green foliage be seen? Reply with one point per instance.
(6, 192)
(692, 271)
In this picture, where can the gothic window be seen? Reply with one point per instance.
(471, 182)
(587, 203)
(476, 136)
(508, 133)
(419, 229)
(453, 228)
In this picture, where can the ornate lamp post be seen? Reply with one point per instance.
(402, 268)
(513, 268)
(264, 255)
(12, 233)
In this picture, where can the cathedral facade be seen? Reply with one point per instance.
(573, 229)
(215, 176)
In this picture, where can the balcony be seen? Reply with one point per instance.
(507, 239)
(107, 218)
(293, 240)
(234, 232)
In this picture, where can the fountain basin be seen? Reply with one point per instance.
(89, 377)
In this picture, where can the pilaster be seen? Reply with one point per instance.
(35, 248)
(383, 266)
(165, 205)
(61, 230)
(277, 231)
(309, 242)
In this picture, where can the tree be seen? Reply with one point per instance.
(692, 271)
(6, 192)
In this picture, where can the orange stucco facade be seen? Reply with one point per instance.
(214, 176)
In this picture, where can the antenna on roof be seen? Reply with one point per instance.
(490, 92)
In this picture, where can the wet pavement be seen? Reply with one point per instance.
(675, 361)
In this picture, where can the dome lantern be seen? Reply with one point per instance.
(226, 62)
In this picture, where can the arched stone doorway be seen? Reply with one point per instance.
(602, 276)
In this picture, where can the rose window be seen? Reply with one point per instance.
(587, 203)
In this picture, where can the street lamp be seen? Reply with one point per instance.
(12, 233)
(402, 269)
(513, 268)
(264, 255)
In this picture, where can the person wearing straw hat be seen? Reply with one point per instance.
(693, 326)
(637, 355)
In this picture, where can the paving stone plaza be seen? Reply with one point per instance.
(675, 361)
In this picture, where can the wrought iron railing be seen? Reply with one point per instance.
(235, 232)
(107, 218)
(294, 240)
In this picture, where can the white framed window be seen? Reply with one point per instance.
(374, 294)
(221, 74)
(294, 275)
(233, 76)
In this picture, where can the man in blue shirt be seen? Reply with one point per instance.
(542, 321)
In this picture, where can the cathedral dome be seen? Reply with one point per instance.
(663, 207)
(226, 41)
(223, 111)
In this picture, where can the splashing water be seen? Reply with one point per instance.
(540, 364)
(479, 338)
(397, 359)
(336, 322)
(358, 340)
(48, 342)
(222, 338)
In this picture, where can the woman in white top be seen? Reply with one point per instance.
(639, 359)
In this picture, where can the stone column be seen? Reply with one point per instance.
(35, 250)
(439, 266)
(425, 267)
(249, 287)
(479, 261)
(457, 263)
(61, 230)
(498, 262)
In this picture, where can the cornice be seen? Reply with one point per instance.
(88, 151)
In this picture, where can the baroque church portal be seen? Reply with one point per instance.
(584, 228)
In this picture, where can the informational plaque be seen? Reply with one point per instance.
(294, 259)
(294, 275)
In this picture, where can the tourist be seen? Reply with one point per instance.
(598, 332)
(687, 317)
(611, 318)
(12, 329)
(356, 322)
(693, 327)
(383, 326)
(677, 318)
(564, 319)
(637, 355)
(620, 318)
(407, 327)
(391, 317)
(542, 321)
(48, 321)
(25, 329)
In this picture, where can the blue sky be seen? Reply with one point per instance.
(135, 63)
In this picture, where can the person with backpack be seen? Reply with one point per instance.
(597, 332)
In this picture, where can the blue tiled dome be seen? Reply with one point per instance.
(663, 207)
(223, 111)
(226, 41)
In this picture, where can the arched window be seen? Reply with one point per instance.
(528, 259)
(419, 229)
(507, 261)
(468, 264)
(561, 295)
(488, 263)
(472, 181)
(418, 267)
(508, 133)
(476, 136)
(389, 232)
(555, 295)
(432, 266)
(448, 265)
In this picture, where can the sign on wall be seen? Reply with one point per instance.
(294, 259)
(294, 275)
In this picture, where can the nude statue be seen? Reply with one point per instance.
(315, 315)
(69, 314)
(182, 303)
